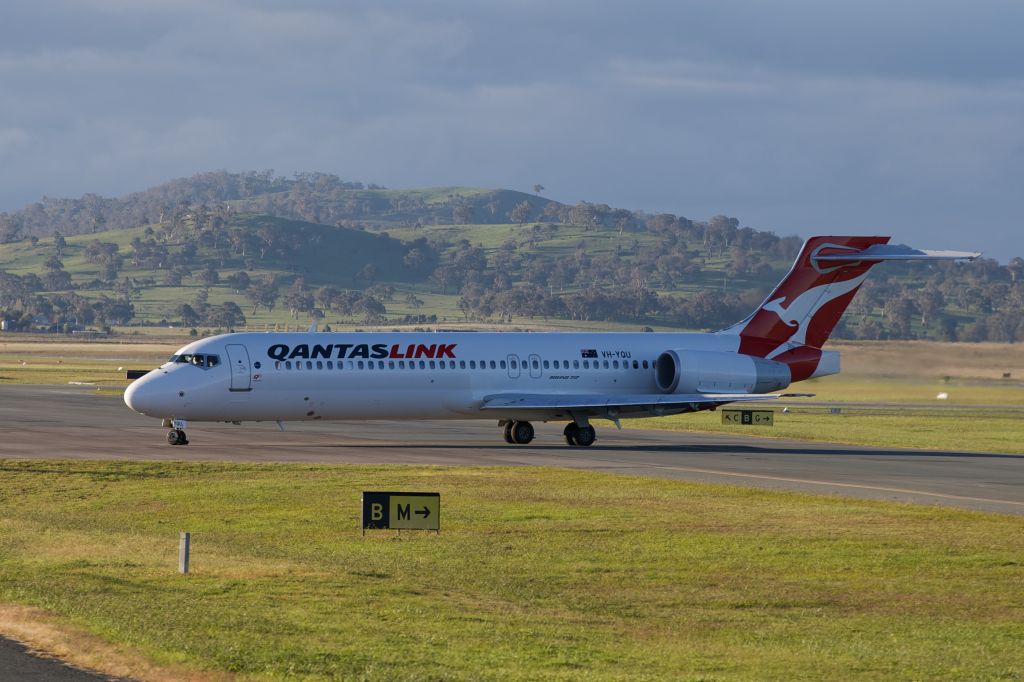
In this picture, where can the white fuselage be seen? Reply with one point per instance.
(430, 375)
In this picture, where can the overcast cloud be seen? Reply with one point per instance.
(798, 117)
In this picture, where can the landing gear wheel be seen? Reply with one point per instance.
(176, 437)
(570, 433)
(522, 432)
(582, 436)
(508, 433)
(585, 436)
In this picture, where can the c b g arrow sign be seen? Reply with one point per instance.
(413, 511)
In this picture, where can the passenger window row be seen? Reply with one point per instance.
(453, 364)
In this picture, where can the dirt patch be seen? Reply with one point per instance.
(932, 359)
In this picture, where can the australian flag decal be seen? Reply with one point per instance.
(588, 353)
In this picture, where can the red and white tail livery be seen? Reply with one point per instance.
(796, 319)
(518, 378)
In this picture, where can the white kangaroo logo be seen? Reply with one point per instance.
(802, 308)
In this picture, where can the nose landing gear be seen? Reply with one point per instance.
(176, 437)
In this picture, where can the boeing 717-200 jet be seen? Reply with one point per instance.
(519, 378)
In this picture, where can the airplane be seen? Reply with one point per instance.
(519, 378)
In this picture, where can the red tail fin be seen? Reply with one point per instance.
(806, 306)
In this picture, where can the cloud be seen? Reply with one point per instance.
(794, 116)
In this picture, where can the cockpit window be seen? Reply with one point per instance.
(197, 359)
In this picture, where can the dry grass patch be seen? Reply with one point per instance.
(49, 636)
(931, 359)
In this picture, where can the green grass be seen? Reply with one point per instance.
(979, 415)
(537, 574)
(971, 430)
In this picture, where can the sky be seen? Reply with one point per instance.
(800, 117)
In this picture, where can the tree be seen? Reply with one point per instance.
(462, 213)
(325, 297)
(415, 259)
(412, 300)
(373, 309)
(10, 228)
(57, 280)
(239, 281)
(871, 330)
(521, 213)
(948, 325)
(445, 276)
(898, 312)
(929, 302)
(172, 277)
(225, 316)
(187, 314)
(299, 298)
(262, 292)
(538, 188)
(114, 311)
(1005, 326)
(98, 252)
(1016, 268)
(109, 270)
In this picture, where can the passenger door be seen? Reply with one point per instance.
(241, 375)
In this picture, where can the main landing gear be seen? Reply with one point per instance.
(521, 433)
(518, 433)
(176, 437)
(583, 436)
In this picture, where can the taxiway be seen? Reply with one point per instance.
(74, 422)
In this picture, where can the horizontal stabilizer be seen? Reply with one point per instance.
(878, 252)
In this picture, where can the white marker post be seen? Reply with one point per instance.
(183, 552)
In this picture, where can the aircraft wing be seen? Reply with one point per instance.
(626, 403)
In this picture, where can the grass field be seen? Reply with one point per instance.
(28, 361)
(921, 428)
(537, 574)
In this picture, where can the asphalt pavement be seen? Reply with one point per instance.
(18, 664)
(43, 422)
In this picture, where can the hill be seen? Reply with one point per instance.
(313, 197)
(226, 250)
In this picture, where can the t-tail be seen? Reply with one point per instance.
(796, 319)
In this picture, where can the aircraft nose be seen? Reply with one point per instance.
(145, 397)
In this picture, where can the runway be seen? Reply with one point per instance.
(53, 422)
